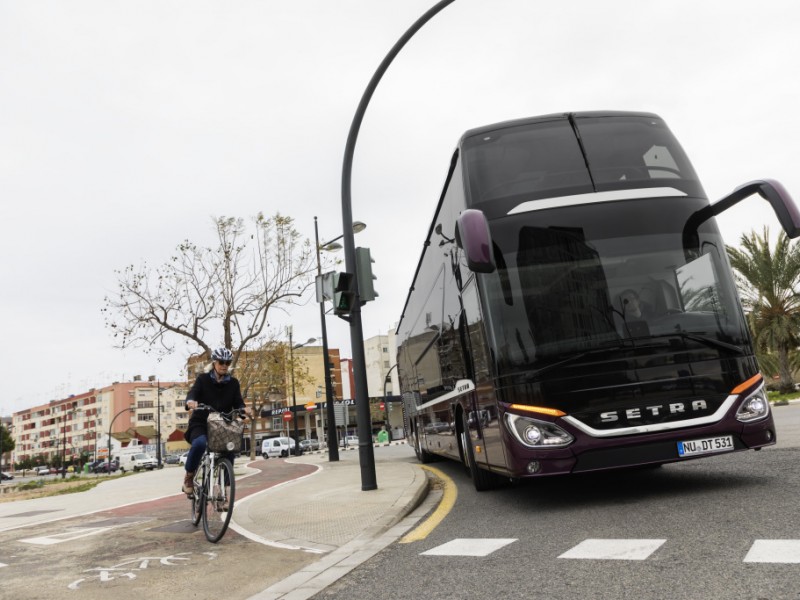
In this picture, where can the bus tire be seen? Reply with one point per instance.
(481, 478)
(422, 456)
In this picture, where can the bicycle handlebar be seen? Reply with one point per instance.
(239, 412)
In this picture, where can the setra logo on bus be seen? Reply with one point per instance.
(656, 410)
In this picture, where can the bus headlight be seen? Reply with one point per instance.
(537, 434)
(754, 407)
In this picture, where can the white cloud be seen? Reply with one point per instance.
(127, 125)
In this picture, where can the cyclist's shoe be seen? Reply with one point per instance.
(225, 503)
(220, 501)
(188, 483)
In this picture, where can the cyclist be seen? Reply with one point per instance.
(220, 390)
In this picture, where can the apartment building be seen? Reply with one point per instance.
(77, 427)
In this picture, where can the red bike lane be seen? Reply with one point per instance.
(149, 547)
(270, 473)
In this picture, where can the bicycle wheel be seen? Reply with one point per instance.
(197, 497)
(218, 501)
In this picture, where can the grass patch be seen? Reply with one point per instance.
(31, 485)
(778, 398)
(82, 486)
(41, 488)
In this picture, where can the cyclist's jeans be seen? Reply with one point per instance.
(195, 455)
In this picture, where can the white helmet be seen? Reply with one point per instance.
(221, 354)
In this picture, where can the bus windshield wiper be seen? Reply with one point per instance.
(576, 357)
(710, 341)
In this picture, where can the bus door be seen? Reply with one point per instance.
(483, 418)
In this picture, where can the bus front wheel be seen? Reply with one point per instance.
(422, 456)
(482, 479)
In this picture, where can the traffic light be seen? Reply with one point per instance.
(344, 296)
(366, 292)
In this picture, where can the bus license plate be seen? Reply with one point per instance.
(705, 446)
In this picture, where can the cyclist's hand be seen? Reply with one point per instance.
(248, 413)
(191, 404)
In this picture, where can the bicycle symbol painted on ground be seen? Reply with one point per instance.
(128, 569)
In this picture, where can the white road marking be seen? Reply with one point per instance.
(614, 549)
(469, 547)
(774, 551)
(59, 538)
(78, 533)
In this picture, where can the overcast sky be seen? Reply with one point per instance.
(126, 126)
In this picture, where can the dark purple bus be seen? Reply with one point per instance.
(574, 310)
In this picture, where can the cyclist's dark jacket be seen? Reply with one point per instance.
(223, 395)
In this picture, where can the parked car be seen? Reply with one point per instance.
(103, 467)
(307, 445)
(138, 462)
(349, 440)
(278, 447)
(172, 459)
(183, 458)
(42, 470)
(93, 465)
(4, 475)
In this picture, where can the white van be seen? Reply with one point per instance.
(277, 447)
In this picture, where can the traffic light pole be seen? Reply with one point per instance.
(333, 443)
(365, 450)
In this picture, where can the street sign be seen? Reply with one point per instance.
(340, 412)
(287, 416)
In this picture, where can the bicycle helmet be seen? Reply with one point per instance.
(221, 354)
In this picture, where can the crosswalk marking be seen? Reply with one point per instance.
(614, 549)
(774, 551)
(761, 551)
(470, 547)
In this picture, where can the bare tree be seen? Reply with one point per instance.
(264, 375)
(209, 296)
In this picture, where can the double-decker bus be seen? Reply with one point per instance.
(574, 310)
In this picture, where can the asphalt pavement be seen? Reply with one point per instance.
(320, 511)
(327, 513)
(318, 508)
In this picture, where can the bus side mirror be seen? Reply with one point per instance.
(769, 189)
(782, 203)
(472, 236)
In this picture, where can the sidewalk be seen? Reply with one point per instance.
(327, 513)
(324, 515)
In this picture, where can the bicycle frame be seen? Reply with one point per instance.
(213, 506)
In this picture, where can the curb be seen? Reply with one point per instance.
(355, 447)
(317, 576)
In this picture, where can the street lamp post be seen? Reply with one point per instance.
(64, 442)
(64, 447)
(333, 443)
(294, 396)
(385, 402)
(366, 455)
(158, 418)
(131, 408)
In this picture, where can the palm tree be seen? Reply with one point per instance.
(767, 279)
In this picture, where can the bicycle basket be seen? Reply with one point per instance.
(224, 436)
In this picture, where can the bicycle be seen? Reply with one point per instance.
(214, 488)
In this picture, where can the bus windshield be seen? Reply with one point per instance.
(580, 279)
(560, 156)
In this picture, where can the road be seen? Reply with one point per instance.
(58, 545)
(679, 531)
